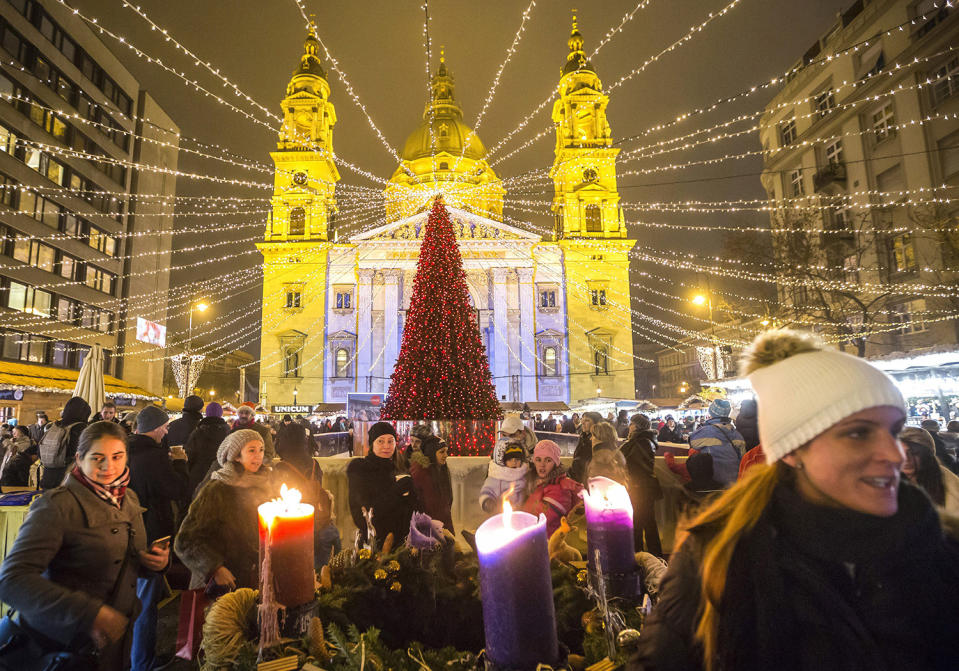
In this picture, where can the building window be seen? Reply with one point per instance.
(594, 219)
(297, 221)
(100, 279)
(910, 315)
(800, 295)
(796, 186)
(825, 102)
(787, 131)
(850, 267)
(904, 254)
(291, 362)
(945, 81)
(67, 267)
(547, 298)
(549, 362)
(598, 297)
(344, 299)
(833, 152)
(342, 365)
(293, 298)
(600, 362)
(883, 123)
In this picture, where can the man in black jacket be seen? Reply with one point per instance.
(159, 477)
(180, 429)
(584, 448)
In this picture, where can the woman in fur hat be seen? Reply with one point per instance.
(219, 539)
(823, 558)
(378, 484)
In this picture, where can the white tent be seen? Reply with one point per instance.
(90, 381)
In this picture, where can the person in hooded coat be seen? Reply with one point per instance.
(584, 448)
(644, 489)
(204, 442)
(219, 540)
(74, 418)
(377, 484)
(747, 423)
(431, 481)
(178, 433)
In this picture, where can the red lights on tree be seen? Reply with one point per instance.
(442, 372)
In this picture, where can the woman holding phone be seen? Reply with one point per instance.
(71, 574)
(378, 484)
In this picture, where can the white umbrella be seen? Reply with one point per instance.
(90, 381)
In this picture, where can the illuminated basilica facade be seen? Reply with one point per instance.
(553, 311)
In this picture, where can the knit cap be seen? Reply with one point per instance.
(193, 402)
(719, 408)
(514, 451)
(548, 449)
(803, 389)
(214, 409)
(381, 429)
(233, 444)
(151, 417)
(511, 424)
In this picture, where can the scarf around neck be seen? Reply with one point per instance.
(112, 493)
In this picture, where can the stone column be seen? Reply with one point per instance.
(527, 332)
(500, 330)
(364, 329)
(391, 314)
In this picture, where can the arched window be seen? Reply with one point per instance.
(549, 362)
(342, 362)
(297, 221)
(594, 219)
(600, 362)
(291, 362)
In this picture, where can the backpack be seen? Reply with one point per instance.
(53, 445)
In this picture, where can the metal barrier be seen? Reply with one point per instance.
(333, 444)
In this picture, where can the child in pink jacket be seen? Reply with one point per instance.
(551, 491)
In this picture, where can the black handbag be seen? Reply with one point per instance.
(22, 648)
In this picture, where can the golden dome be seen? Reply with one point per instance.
(310, 75)
(442, 129)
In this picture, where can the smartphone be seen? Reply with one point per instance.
(162, 543)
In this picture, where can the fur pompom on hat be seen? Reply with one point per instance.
(804, 389)
(231, 446)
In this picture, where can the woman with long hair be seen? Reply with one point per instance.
(604, 437)
(923, 469)
(822, 558)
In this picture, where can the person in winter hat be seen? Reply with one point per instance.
(551, 492)
(719, 438)
(505, 478)
(219, 539)
(513, 429)
(823, 559)
(432, 482)
(246, 419)
(924, 470)
(73, 420)
(377, 484)
(203, 443)
(584, 448)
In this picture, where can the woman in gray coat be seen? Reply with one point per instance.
(71, 574)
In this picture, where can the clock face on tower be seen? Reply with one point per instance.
(299, 178)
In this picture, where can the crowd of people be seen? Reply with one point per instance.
(819, 532)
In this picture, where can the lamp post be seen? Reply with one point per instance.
(201, 306)
(295, 392)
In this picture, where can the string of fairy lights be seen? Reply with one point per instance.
(359, 208)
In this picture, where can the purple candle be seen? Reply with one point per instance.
(517, 590)
(609, 526)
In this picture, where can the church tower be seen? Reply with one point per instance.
(591, 231)
(297, 240)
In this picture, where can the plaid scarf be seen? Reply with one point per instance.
(112, 493)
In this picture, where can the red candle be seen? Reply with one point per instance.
(286, 535)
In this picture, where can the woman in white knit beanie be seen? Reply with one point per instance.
(821, 559)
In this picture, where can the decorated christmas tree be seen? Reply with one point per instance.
(442, 372)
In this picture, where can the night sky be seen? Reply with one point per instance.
(381, 48)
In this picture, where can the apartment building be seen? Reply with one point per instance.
(862, 157)
(86, 238)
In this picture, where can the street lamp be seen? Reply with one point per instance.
(295, 392)
(599, 392)
(707, 300)
(213, 392)
(201, 307)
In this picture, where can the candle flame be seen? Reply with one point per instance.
(290, 498)
(507, 515)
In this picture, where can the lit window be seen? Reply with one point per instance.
(598, 297)
(547, 299)
(883, 123)
(342, 363)
(910, 315)
(904, 253)
(549, 362)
